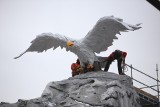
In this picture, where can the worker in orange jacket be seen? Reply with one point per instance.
(76, 68)
(116, 55)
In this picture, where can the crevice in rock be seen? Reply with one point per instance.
(86, 103)
(57, 89)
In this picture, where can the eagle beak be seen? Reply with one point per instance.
(70, 43)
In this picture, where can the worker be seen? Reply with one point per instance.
(76, 68)
(116, 55)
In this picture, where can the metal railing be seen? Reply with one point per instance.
(147, 86)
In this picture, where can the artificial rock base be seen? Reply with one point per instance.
(92, 89)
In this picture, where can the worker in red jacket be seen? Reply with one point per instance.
(116, 55)
(76, 68)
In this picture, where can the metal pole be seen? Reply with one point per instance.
(157, 85)
(148, 87)
(142, 72)
(131, 72)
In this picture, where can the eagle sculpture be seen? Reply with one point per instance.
(98, 39)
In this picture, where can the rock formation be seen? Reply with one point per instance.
(92, 89)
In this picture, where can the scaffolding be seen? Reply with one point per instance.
(146, 99)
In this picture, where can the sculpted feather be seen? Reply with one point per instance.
(98, 39)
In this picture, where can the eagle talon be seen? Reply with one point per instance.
(89, 66)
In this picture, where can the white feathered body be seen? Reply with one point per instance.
(84, 53)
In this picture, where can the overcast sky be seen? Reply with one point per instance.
(22, 20)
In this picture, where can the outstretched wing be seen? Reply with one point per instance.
(45, 41)
(104, 32)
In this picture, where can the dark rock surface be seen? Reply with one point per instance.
(92, 89)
